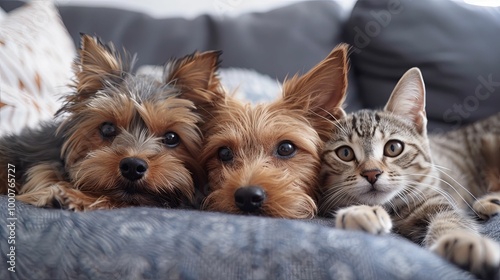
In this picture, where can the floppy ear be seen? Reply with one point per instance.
(196, 76)
(408, 99)
(98, 64)
(321, 92)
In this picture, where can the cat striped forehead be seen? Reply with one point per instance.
(366, 124)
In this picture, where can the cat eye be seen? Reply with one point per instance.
(286, 149)
(225, 154)
(108, 130)
(393, 148)
(171, 139)
(345, 153)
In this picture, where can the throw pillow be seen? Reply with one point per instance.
(36, 53)
(455, 44)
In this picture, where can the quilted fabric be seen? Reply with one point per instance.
(148, 243)
(36, 53)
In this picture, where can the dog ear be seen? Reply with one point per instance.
(97, 65)
(320, 93)
(196, 76)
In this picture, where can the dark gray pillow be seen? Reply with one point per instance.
(147, 243)
(277, 43)
(456, 45)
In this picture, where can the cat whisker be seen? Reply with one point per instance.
(416, 194)
(436, 189)
(453, 179)
(332, 197)
(335, 121)
(337, 198)
(458, 183)
(394, 208)
(451, 186)
(441, 166)
(403, 199)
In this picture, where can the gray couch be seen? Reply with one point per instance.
(456, 57)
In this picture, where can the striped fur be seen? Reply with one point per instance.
(380, 163)
(469, 160)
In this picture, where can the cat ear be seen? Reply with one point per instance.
(98, 65)
(321, 91)
(196, 76)
(408, 99)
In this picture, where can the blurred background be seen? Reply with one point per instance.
(453, 42)
(191, 8)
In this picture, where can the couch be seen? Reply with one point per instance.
(460, 63)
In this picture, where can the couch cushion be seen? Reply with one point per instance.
(456, 45)
(147, 243)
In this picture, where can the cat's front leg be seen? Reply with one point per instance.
(371, 219)
(455, 237)
(470, 251)
(487, 206)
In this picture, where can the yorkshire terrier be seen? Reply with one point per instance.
(119, 140)
(264, 159)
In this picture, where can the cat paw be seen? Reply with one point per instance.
(371, 219)
(487, 206)
(477, 254)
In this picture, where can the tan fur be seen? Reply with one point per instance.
(97, 65)
(254, 132)
(142, 111)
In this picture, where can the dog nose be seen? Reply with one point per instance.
(371, 175)
(249, 199)
(133, 168)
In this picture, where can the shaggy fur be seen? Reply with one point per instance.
(264, 159)
(119, 140)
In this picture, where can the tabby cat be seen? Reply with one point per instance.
(381, 172)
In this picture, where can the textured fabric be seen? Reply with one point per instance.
(147, 243)
(36, 53)
(245, 84)
(454, 44)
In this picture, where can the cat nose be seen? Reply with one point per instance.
(371, 175)
(250, 198)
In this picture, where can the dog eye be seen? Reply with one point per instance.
(225, 154)
(286, 149)
(393, 148)
(171, 139)
(108, 130)
(345, 153)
